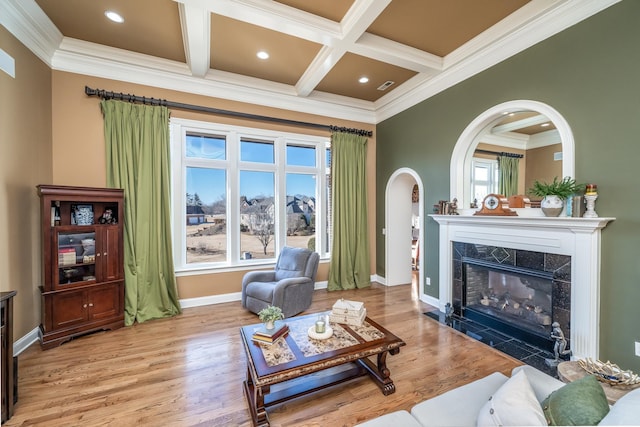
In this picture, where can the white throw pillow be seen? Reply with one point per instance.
(513, 404)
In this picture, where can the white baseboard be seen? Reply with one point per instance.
(321, 285)
(219, 299)
(23, 343)
(380, 279)
(209, 300)
(427, 299)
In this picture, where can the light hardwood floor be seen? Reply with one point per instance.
(188, 370)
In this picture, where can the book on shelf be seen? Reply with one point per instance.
(270, 339)
(66, 256)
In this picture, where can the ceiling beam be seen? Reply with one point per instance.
(273, 16)
(355, 22)
(196, 34)
(519, 124)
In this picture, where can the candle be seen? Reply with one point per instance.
(320, 326)
(591, 189)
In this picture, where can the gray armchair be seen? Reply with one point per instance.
(290, 286)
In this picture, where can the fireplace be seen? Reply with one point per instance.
(518, 292)
(545, 241)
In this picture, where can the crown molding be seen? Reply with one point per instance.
(544, 139)
(515, 141)
(80, 57)
(29, 24)
(563, 16)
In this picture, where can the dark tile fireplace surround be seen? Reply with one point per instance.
(508, 298)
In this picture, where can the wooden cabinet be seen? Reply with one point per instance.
(8, 376)
(82, 240)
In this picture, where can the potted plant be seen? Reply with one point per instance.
(554, 194)
(269, 315)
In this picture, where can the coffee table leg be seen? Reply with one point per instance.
(380, 373)
(255, 399)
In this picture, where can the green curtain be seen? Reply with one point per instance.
(350, 249)
(137, 152)
(508, 175)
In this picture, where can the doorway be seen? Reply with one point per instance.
(404, 230)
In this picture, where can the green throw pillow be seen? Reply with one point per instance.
(580, 403)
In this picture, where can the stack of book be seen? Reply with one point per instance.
(66, 256)
(349, 312)
(269, 336)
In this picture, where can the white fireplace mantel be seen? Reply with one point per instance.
(577, 237)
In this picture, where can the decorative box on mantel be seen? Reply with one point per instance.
(578, 238)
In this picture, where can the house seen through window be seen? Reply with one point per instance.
(239, 194)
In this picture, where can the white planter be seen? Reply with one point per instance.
(269, 324)
(552, 205)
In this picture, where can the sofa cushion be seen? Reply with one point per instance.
(579, 403)
(460, 406)
(393, 419)
(513, 404)
(625, 412)
(542, 384)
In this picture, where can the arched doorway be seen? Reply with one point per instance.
(398, 228)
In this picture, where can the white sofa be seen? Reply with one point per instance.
(461, 406)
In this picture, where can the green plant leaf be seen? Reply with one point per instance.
(561, 188)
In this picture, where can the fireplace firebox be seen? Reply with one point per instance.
(520, 293)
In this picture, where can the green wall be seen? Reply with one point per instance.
(590, 73)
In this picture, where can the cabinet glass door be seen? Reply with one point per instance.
(76, 257)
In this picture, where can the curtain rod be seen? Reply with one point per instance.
(190, 107)
(501, 153)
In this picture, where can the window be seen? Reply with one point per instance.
(484, 178)
(240, 194)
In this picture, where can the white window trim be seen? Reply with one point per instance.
(234, 134)
(492, 166)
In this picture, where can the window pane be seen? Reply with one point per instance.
(256, 151)
(206, 147)
(301, 156)
(257, 215)
(301, 211)
(481, 174)
(206, 215)
(480, 192)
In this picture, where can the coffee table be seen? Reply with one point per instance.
(296, 364)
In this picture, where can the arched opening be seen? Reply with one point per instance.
(464, 149)
(400, 231)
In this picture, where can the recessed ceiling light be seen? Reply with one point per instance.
(363, 79)
(114, 16)
(262, 55)
(544, 125)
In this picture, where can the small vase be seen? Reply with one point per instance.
(269, 324)
(552, 205)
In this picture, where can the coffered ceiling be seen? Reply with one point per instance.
(318, 50)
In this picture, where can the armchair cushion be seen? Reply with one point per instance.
(289, 286)
(292, 262)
